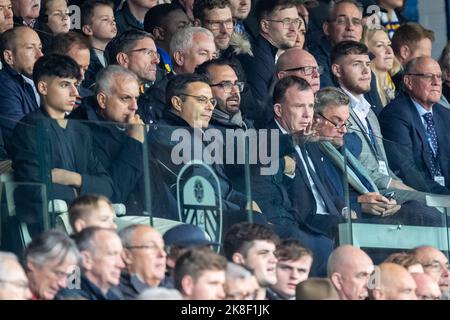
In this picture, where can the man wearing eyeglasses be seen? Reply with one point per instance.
(278, 23)
(215, 15)
(351, 66)
(190, 105)
(435, 264)
(416, 126)
(144, 258)
(300, 63)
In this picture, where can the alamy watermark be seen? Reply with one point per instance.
(210, 145)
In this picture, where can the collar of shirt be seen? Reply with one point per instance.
(31, 83)
(421, 110)
(359, 104)
(127, 12)
(281, 128)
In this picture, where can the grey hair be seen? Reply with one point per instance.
(50, 246)
(334, 3)
(85, 240)
(126, 235)
(237, 272)
(330, 97)
(105, 78)
(5, 258)
(183, 39)
(160, 294)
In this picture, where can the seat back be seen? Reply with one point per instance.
(198, 202)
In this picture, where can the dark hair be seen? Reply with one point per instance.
(204, 67)
(346, 48)
(83, 206)
(291, 250)
(63, 42)
(158, 15)
(194, 262)
(55, 65)
(287, 82)
(177, 85)
(88, 7)
(408, 34)
(123, 43)
(266, 7)
(240, 237)
(8, 39)
(200, 5)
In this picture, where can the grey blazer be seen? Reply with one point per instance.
(369, 157)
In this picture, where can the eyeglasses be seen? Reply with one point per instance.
(147, 52)
(228, 85)
(429, 77)
(151, 246)
(288, 22)
(308, 70)
(436, 266)
(202, 99)
(346, 21)
(20, 284)
(336, 126)
(215, 25)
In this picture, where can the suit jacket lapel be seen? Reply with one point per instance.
(361, 127)
(420, 129)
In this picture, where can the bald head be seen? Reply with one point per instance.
(349, 269)
(294, 62)
(393, 282)
(427, 288)
(435, 264)
(144, 253)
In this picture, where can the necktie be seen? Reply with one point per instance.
(319, 185)
(432, 139)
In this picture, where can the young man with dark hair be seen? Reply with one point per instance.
(6, 15)
(199, 274)
(163, 21)
(49, 149)
(253, 246)
(99, 25)
(294, 263)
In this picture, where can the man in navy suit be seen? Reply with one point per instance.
(417, 142)
(312, 209)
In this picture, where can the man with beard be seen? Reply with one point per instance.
(351, 66)
(279, 23)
